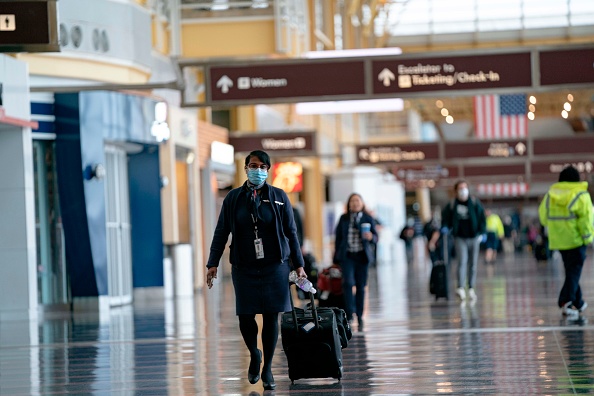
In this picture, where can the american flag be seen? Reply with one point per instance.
(500, 116)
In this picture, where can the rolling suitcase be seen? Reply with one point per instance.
(311, 341)
(438, 281)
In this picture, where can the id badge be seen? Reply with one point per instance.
(259, 248)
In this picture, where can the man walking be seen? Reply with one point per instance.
(566, 210)
(465, 217)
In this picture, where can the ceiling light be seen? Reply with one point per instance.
(450, 119)
(531, 116)
(439, 104)
(564, 114)
(350, 106)
(570, 97)
(533, 99)
(444, 112)
(567, 106)
(353, 52)
(532, 108)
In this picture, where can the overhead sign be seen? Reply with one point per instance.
(298, 80)
(28, 26)
(555, 166)
(572, 66)
(235, 82)
(500, 170)
(493, 149)
(299, 143)
(577, 144)
(402, 153)
(452, 73)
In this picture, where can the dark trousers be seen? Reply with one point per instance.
(573, 261)
(354, 273)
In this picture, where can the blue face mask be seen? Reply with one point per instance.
(257, 176)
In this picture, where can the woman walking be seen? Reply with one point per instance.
(355, 232)
(260, 218)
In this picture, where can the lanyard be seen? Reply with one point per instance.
(255, 219)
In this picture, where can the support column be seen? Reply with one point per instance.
(424, 201)
(313, 199)
(18, 271)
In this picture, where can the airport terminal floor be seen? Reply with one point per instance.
(512, 340)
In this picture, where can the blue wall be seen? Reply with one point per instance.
(145, 216)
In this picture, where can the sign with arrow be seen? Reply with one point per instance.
(313, 80)
(452, 73)
(28, 26)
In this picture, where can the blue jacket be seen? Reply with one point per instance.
(342, 237)
(285, 228)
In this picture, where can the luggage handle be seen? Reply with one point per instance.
(313, 309)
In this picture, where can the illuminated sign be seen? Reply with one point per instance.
(497, 149)
(288, 176)
(398, 154)
(452, 73)
(301, 143)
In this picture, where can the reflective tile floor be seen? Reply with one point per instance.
(513, 340)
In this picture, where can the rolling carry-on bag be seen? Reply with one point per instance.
(438, 281)
(311, 341)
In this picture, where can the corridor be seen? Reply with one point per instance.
(513, 340)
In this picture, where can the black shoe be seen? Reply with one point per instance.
(268, 383)
(253, 378)
(360, 324)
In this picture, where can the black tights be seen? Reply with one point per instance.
(249, 332)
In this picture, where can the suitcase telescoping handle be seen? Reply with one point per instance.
(313, 310)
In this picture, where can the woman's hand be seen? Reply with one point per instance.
(211, 275)
(301, 272)
(368, 235)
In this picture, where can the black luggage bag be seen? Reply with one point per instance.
(438, 281)
(312, 343)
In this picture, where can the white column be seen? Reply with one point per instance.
(18, 272)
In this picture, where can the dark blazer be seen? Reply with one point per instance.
(450, 219)
(342, 237)
(285, 228)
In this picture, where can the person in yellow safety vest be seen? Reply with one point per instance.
(566, 210)
(494, 234)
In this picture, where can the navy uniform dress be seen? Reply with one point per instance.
(261, 285)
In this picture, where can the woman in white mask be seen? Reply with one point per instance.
(260, 218)
(465, 217)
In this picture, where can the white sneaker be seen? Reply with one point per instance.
(569, 311)
(461, 293)
(472, 294)
(584, 306)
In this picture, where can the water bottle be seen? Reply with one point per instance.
(303, 283)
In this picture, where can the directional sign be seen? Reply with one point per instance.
(491, 149)
(402, 153)
(7, 22)
(567, 66)
(451, 73)
(556, 166)
(499, 170)
(290, 80)
(576, 144)
(28, 26)
(302, 143)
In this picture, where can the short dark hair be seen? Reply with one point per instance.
(261, 155)
(569, 174)
(458, 182)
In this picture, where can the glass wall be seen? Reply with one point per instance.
(51, 261)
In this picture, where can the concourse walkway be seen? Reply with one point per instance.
(513, 340)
